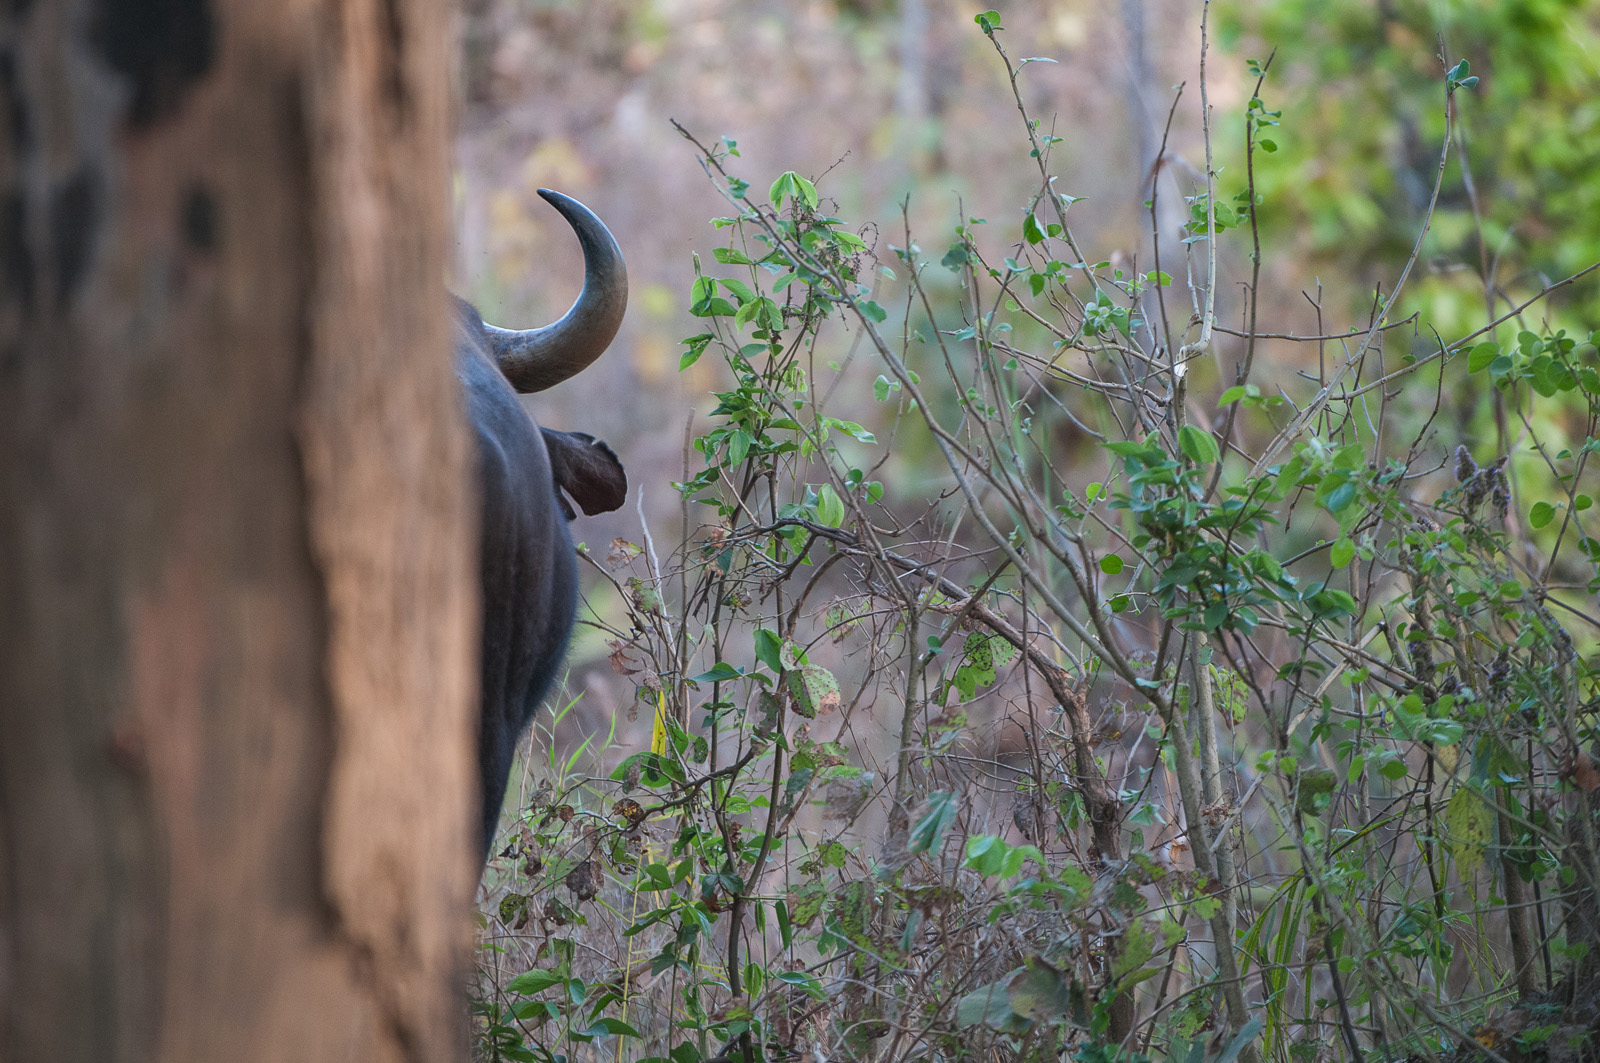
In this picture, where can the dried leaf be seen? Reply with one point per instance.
(621, 663)
(584, 880)
(846, 797)
(630, 810)
(621, 553)
(1579, 769)
(771, 710)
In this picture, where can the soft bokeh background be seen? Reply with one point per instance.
(885, 103)
(901, 112)
(878, 103)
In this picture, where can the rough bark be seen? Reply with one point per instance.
(236, 598)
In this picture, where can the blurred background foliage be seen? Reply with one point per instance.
(889, 103)
(883, 103)
(1360, 84)
(903, 118)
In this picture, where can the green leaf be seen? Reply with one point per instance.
(791, 185)
(721, 672)
(830, 507)
(785, 928)
(1198, 445)
(989, 1006)
(534, 982)
(656, 877)
(1442, 733)
(1001, 652)
(1138, 945)
(1541, 514)
(1031, 231)
(986, 854)
(1316, 787)
(851, 429)
(805, 903)
(1111, 564)
(768, 649)
(783, 188)
(814, 690)
(808, 194)
(606, 1026)
(1480, 356)
(1468, 823)
(979, 659)
(928, 833)
(988, 21)
(1039, 992)
(809, 982)
(697, 346)
(1247, 1033)
(871, 309)
(1330, 603)
(1458, 75)
(714, 307)
(1340, 498)
(731, 256)
(1343, 552)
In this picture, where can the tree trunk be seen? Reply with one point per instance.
(236, 597)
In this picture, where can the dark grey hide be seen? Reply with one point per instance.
(528, 564)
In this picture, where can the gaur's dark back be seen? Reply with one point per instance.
(529, 569)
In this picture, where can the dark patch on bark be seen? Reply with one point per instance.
(162, 46)
(74, 222)
(16, 260)
(18, 130)
(200, 222)
(394, 72)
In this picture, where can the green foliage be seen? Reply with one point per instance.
(1354, 161)
(1305, 681)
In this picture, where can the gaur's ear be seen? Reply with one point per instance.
(586, 469)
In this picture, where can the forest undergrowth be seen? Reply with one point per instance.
(1112, 691)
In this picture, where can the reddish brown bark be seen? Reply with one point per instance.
(236, 598)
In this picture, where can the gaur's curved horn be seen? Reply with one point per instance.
(535, 359)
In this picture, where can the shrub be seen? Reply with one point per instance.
(1298, 672)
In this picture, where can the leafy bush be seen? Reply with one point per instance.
(1298, 677)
